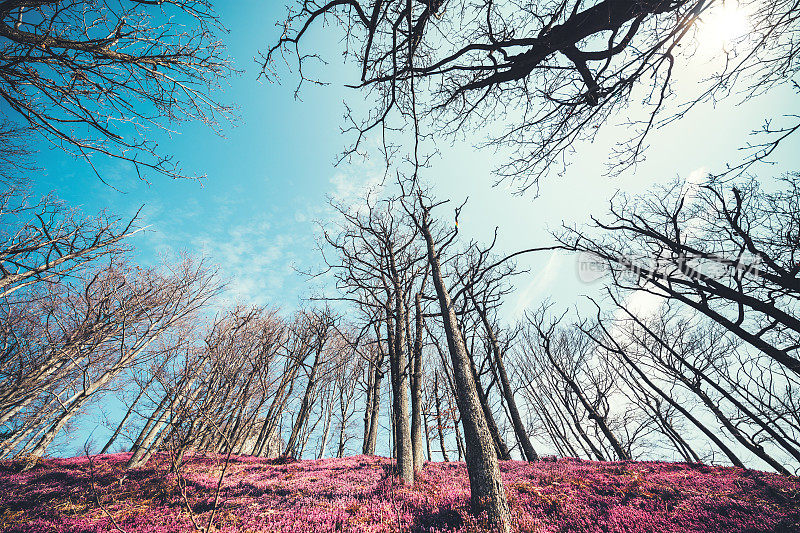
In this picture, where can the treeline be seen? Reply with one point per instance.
(411, 355)
(77, 315)
(82, 323)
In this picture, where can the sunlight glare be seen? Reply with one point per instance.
(724, 24)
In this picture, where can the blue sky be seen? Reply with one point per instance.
(270, 174)
(271, 171)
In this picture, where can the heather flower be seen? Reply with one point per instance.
(360, 494)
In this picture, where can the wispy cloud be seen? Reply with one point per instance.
(692, 183)
(255, 255)
(350, 188)
(542, 281)
(643, 303)
(256, 259)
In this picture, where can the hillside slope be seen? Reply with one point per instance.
(357, 494)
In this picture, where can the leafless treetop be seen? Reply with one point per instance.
(549, 72)
(96, 76)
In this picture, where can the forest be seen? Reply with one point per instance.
(407, 391)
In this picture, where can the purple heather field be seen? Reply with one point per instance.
(358, 494)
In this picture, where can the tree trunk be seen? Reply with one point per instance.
(374, 418)
(459, 438)
(765, 425)
(368, 407)
(399, 367)
(345, 401)
(487, 493)
(622, 454)
(524, 441)
(325, 431)
(583, 438)
(374, 408)
(150, 421)
(155, 436)
(439, 420)
(755, 448)
(499, 443)
(734, 459)
(276, 407)
(416, 388)
(340, 447)
(427, 438)
(126, 417)
(73, 405)
(305, 405)
(683, 447)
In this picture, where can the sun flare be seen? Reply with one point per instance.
(723, 24)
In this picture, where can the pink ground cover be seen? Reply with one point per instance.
(358, 494)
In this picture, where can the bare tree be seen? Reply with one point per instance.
(416, 386)
(487, 494)
(440, 419)
(142, 389)
(699, 357)
(225, 390)
(99, 329)
(94, 76)
(44, 241)
(569, 356)
(316, 331)
(346, 375)
(46, 248)
(377, 265)
(549, 73)
(375, 358)
(16, 161)
(600, 332)
(528, 452)
(728, 252)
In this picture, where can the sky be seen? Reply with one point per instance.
(270, 173)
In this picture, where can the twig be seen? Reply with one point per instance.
(97, 495)
(182, 489)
